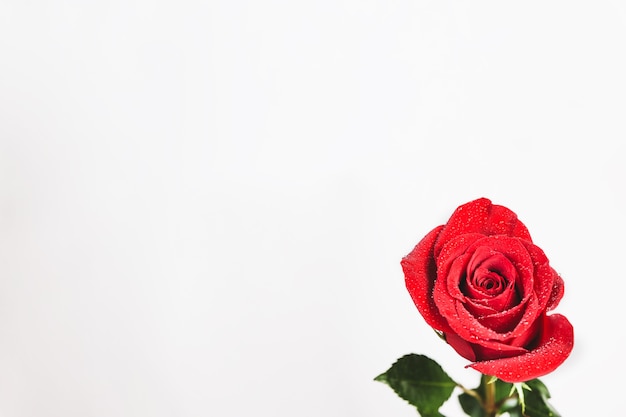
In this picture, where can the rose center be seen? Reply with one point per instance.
(490, 279)
(490, 283)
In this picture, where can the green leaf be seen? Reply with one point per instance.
(421, 382)
(471, 406)
(516, 412)
(536, 399)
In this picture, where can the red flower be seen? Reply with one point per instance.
(481, 282)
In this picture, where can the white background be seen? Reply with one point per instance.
(203, 205)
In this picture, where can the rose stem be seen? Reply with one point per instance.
(490, 396)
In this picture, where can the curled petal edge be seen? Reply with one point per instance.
(554, 347)
(420, 273)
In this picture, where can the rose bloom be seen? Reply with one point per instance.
(486, 288)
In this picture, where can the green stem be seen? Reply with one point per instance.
(489, 403)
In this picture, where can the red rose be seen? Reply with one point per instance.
(481, 282)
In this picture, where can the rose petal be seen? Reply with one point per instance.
(468, 327)
(502, 322)
(456, 247)
(479, 308)
(554, 347)
(452, 262)
(557, 292)
(500, 349)
(461, 346)
(497, 351)
(547, 283)
(452, 280)
(480, 216)
(420, 274)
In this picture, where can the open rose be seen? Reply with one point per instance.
(481, 282)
